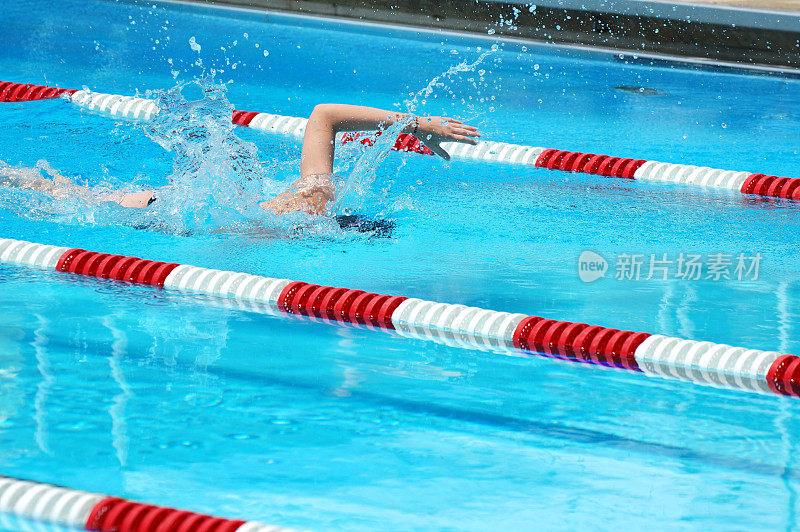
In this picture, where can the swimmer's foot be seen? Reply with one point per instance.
(8, 179)
(29, 178)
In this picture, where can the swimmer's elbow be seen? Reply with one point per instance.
(323, 114)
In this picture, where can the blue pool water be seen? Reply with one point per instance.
(186, 402)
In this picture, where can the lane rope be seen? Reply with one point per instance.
(91, 511)
(567, 161)
(454, 325)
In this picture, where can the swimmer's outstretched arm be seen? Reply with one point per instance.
(329, 119)
(312, 192)
(59, 186)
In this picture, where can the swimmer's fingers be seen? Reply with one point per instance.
(463, 139)
(446, 121)
(466, 131)
(463, 135)
(457, 124)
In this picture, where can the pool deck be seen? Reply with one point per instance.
(782, 5)
(754, 34)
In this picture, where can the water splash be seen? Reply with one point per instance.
(354, 192)
(360, 165)
(216, 182)
(420, 99)
(217, 178)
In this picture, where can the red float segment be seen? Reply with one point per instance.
(387, 311)
(105, 266)
(356, 312)
(243, 118)
(411, 144)
(92, 264)
(550, 159)
(118, 267)
(162, 272)
(131, 273)
(606, 166)
(121, 266)
(113, 514)
(328, 300)
(783, 376)
(579, 342)
(339, 304)
(75, 265)
(588, 163)
(405, 142)
(353, 136)
(593, 163)
(25, 92)
(627, 168)
(287, 295)
(772, 186)
(66, 258)
(342, 304)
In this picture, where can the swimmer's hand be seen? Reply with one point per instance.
(433, 130)
(309, 194)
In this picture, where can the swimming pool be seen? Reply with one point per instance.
(180, 401)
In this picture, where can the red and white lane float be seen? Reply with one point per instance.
(455, 325)
(292, 126)
(567, 161)
(91, 511)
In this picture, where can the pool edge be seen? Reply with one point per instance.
(770, 42)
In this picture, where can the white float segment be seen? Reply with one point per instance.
(691, 175)
(457, 325)
(226, 284)
(116, 105)
(28, 253)
(493, 152)
(705, 362)
(285, 125)
(255, 526)
(44, 502)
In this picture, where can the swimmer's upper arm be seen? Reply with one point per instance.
(344, 117)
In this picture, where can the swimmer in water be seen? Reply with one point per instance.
(315, 188)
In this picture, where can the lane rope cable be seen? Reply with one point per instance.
(707, 363)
